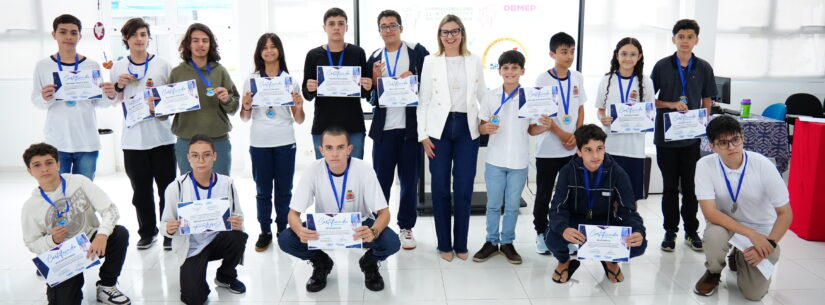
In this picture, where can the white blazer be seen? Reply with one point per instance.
(434, 94)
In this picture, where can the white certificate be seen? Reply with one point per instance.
(176, 98)
(339, 81)
(537, 101)
(271, 91)
(743, 243)
(335, 231)
(77, 85)
(66, 260)
(398, 92)
(206, 215)
(605, 243)
(135, 109)
(632, 118)
(688, 125)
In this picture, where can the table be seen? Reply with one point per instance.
(764, 135)
(806, 181)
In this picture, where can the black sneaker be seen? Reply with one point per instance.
(372, 278)
(486, 252)
(669, 243)
(146, 242)
(510, 253)
(264, 239)
(321, 267)
(694, 241)
(167, 243)
(732, 260)
(235, 286)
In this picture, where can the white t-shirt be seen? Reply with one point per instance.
(270, 132)
(69, 128)
(623, 144)
(363, 193)
(763, 190)
(548, 144)
(457, 81)
(396, 116)
(150, 133)
(509, 146)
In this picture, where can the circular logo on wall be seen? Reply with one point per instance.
(498, 46)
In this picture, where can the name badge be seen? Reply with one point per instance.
(606, 194)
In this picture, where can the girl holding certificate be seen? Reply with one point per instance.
(452, 83)
(625, 84)
(217, 94)
(272, 139)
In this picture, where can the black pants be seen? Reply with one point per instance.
(144, 167)
(228, 246)
(678, 166)
(71, 290)
(546, 171)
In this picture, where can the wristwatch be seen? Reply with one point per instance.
(375, 233)
(118, 89)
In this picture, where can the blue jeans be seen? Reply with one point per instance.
(456, 154)
(503, 184)
(558, 245)
(385, 245)
(356, 139)
(223, 165)
(83, 163)
(273, 164)
(395, 151)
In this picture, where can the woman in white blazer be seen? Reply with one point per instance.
(452, 85)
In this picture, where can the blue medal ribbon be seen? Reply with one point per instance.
(339, 202)
(733, 196)
(205, 79)
(212, 183)
(682, 76)
(591, 200)
(270, 113)
(340, 59)
(76, 62)
(390, 72)
(565, 99)
(145, 67)
(495, 118)
(622, 94)
(61, 220)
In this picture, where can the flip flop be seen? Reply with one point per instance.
(615, 275)
(571, 268)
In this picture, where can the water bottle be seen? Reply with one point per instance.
(746, 108)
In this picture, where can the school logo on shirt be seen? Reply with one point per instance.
(149, 83)
(634, 95)
(576, 91)
(350, 195)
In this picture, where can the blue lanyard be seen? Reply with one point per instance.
(591, 201)
(565, 99)
(340, 59)
(60, 65)
(390, 72)
(212, 183)
(206, 81)
(263, 74)
(49, 200)
(682, 73)
(733, 196)
(145, 68)
(339, 202)
(505, 100)
(622, 94)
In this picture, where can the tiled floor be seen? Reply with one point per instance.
(415, 277)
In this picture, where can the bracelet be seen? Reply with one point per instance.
(118, 89)
(246, 109)
(773, 243)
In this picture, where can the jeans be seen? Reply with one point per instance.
(273, 165)
(405, 154)
(223, 165)
(546, 171)
(385, 245)
(355, 139)
(503, 184)
(83, 163)
(678, 167)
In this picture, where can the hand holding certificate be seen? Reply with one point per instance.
(77, 85)
(176, 98)
(136, 109)
(632, 118)
(339, 81)
(207, 215)
(537, 101)
(271, 91)
(335, 231)
(743, 243)
(685, 125)
(605, 243)
(66, 260)
(398, 92)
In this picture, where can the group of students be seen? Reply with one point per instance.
(454, 110)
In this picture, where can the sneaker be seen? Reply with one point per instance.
(321, 267)
(111, 296)
(372, 278)
(707, 285)
(541, 246)
(264, 239)
(146, 242)
(407, 240)
(669, 243)
(510, 253)
(236, 286)
(732, 260)
(486, 251)
(694, 241)
(167, 243)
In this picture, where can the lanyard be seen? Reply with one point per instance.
(340, 59)
(145, 67)
(390, 72)
(564, 99)
(49, 200)
(206, 81)
(735, 196)
(60, 64)
(212, 183)
(622, 94)
(339, 202)
(591, 201)
(505, 100)
(682, 73)
(263, 74)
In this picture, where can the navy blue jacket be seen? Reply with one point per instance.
(615, 204)
(417, 53)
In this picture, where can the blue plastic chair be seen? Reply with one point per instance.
(775, 111)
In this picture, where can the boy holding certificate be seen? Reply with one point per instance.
(225, 242)
(744, 198)
(340, 184)
(60, 208)
(71, 125)
(556, 145)
(592, 190)
(335, 110)
(683, 82)
(505, 171)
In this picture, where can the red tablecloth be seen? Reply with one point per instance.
(806, 183)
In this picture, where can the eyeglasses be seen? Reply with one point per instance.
(628, 55)
(732, 142)
(387, 28)
(453, 32)
(204, 156)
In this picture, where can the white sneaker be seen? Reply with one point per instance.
(541, 246)
(111, 296)
(407, 240)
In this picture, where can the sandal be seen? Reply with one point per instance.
(608, 273)
(571, 268)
